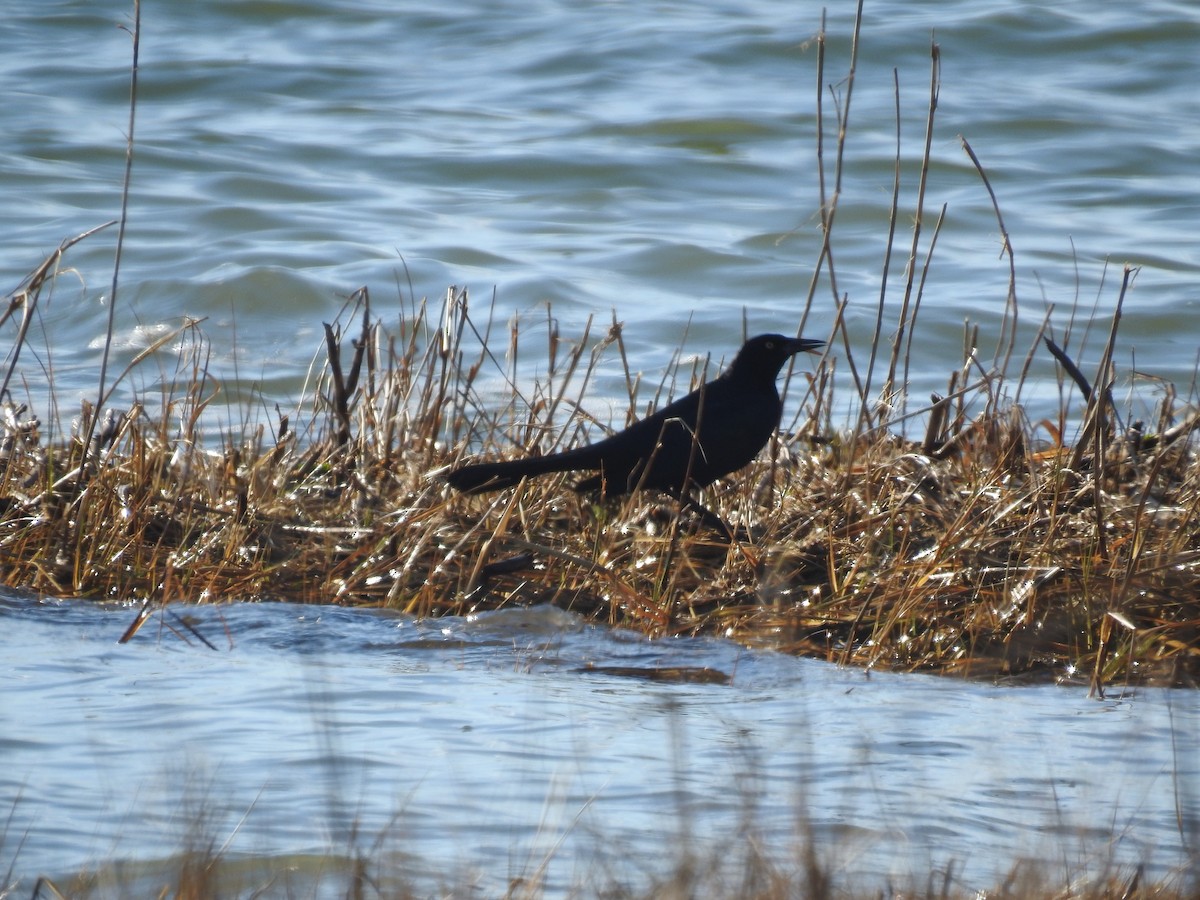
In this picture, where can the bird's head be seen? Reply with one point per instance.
(761, 357)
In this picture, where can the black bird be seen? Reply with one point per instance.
(688, 444)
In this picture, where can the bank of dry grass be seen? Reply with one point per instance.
(956, 536)
(981, 546)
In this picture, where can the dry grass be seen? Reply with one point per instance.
(198, 875)
(741, 865)
(977, 550)
(958, 537)
(986, 546)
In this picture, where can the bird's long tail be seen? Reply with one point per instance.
(477, 478)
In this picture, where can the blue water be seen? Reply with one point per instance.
(479, 748)
(656, 163)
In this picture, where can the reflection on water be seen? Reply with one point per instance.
(493, 744)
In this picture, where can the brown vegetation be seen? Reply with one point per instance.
(979, 549)
(989, 546)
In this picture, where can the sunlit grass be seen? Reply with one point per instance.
(960, 536)
(954, 536)
(983, 547)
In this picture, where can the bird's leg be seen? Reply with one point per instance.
(715, 522)
(707, 516)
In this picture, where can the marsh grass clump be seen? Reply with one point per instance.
(985, 546)
(953, 536)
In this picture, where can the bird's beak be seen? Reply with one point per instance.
(805, 345)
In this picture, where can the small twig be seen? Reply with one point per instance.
(937, 424)
(907, 317)
(1006, 249)
(122, 222)
(1069, 366)
(26, 296)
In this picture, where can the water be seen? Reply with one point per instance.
(656, 162)
(653, 162)
(479, 748)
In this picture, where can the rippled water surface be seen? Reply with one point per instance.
(652, 162)
(490, 745)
